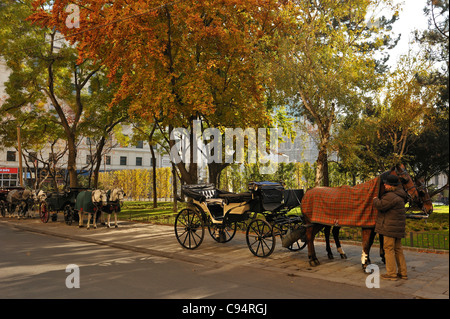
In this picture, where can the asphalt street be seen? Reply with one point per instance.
(144, 261)
(34, 266)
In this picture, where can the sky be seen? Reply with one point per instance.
(411, 18)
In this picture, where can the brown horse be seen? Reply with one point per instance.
(417, 193)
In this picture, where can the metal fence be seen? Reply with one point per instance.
(426, 240)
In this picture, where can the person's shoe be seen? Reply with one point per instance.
(389, 277)
(405, 277)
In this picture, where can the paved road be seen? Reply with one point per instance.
(34, 266)
(145, 261)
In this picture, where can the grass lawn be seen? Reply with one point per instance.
(144, 211)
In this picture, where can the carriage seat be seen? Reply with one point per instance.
(210, 193)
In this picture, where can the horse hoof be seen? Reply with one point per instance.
(330, 256)
(314, 262)
(116, 226)
(343, 256)
(108, 226)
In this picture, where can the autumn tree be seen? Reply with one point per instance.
(47, 77)
(179, 61)
(44, 69)
(328, 66)
(100, 118)
(390, 128)
(431, 150)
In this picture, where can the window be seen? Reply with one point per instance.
(108, 160)
(10, 156)
(140, 144)
(123, 160)
(8, 177)
(88, 159)
(138, 161)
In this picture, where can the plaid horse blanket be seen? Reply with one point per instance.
(342, 206)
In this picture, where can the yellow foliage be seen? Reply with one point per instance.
(137, 183)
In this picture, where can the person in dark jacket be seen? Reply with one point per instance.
(391, 223)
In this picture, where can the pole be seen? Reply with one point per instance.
(20, 157)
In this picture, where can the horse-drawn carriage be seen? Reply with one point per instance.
(14, 199)
(60, 202)
(266, 204)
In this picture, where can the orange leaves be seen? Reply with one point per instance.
(178, 59)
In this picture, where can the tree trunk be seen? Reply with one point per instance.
(155, 193)
(72, 161)
(214, 170)
(98, 160)
(322, 178)
(187, 176)
(174, 186)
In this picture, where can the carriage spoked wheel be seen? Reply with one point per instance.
(260, 238)
(43, 212)
(189, 228)
(222, 233)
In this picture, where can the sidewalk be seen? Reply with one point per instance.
(428, 272)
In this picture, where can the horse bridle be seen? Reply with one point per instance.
(403, 172)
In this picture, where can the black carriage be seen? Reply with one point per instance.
(266, 205)
(273, 205)
(60, 202)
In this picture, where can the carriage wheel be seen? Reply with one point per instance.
(189, 228)
(260, 238)
(43, 212)
(298, 245)
(222, 233)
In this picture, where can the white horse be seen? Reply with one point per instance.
(115, 199)
(90, 202)
(39, 197)
(19, 198)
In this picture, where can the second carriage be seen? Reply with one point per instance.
(60, 202)
(264, 209)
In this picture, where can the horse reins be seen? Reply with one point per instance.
(422, 187)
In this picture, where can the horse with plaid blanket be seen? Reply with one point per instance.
(353, 207)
